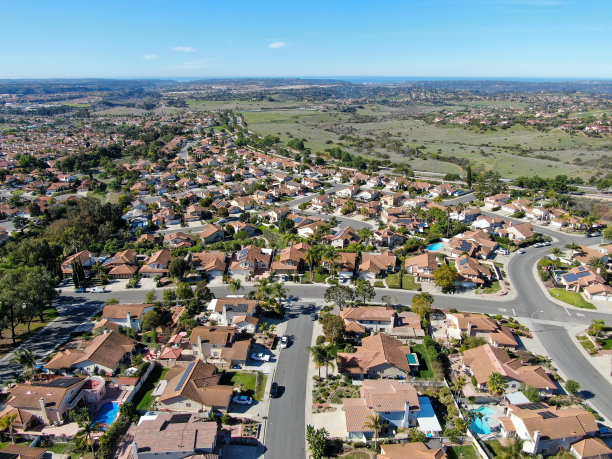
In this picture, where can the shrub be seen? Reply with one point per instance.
(320, 339)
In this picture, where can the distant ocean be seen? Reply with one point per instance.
(399, 79)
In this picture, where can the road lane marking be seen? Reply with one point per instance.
(568, 313)
(502, 309)
(579, 314)
(513, 312)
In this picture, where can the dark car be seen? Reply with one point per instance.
(274, 390)
(313, 316)
(80, 290)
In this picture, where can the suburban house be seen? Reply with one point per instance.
(388, 238)
(211, 234)
(226, 310)
(378, 356)
(122, 265)
(414, 450)
(104, 353)
(85, 258)
(126, 315)
(518, 232)
(179, 240)
(396, 402)
(171, 435)
(465, 215)
(220, 345)
(343, 237)
(210, 265)
(580, 277)
(546, 429)
(194, 387)
(472, 272)
(484, 360)
(346, 261)
(592, 448)
(480, 325)
(157, 264)
(376, 264)
(497, 200)
(250, 261)
(422, 266)
(48, 402)
(291, 259)
(374, 319)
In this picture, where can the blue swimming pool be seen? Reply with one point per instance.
(107, 414)
(481, 426)
(434, 247)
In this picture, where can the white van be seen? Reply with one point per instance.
(98, 290)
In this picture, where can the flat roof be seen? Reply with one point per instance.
(426, 417)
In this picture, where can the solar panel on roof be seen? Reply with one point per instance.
(533, 406)
(184, 377)
(61, 382)
(548, 415)
(179, 418)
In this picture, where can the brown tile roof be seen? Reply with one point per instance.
(414, 450)
(236, 304)
(555, 423)
(377, 262)
(209, 261)
(486, 359)
(107, 349)
(380, 313)
(28, 395)
(214, 334)
(375, 350)
(23, 451)
(591, 448)
(120, 311)
(239, 350)
(389, 395)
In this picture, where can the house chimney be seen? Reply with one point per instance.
(469, 328)
(129, 320)
(43, 408)
(200, 347)
(536, 441)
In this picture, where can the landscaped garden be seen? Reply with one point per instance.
(571, 298)
(333, 389)
(251, 383)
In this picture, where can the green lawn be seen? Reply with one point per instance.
(606, 343)
(143, 399)
(320, 277)
(573, 298)
(496, 446)
(408, 282)
(495, 287)
(248, 380)
(61, 448)
(465, 452)
(379, 284)
(425, 367)
(357, 455)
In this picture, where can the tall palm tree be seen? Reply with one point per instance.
(318, 358)
(313, 257)
(82, 417)
(235, 285)
(365, 234)
(556, 251)
(24, 358)
(262, 289)
(7, 423)
(328, 357)
(279, 292)
(375, 423)
(497, 383)
(514, 450)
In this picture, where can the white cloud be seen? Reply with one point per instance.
(278, 44)
(184, 49)
(198, 64)
(150, 56)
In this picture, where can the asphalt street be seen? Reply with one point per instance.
(284, 437)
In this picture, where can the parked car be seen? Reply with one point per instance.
(80, 290)
(98, 290)
(260, 356)
(313, 316)
(593, 235)
(242, 400)
(284, 342)
(274, 390)
(521, 251)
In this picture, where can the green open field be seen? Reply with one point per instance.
(377, 122)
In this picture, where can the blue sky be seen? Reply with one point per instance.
(198, 38)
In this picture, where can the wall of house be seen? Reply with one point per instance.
(182, 404)
(89, 367)
(386, 370)
(395, 418)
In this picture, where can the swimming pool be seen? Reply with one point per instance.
(107, 414)
(481, 426)
(434, 247)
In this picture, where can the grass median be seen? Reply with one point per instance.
(571, 298)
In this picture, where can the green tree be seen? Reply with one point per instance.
(150, 321)
(417, 436)
(317, 440)
(313, 256)
(375, 423)
(177, 268)
(234, 286)
(279, 292)
(82, 417)
(532, 393)
(513, 450)
(24, 358)
(328, 357)
(333, 328)
(169, 296)
(151, 297)
(183, 291)
(497, 383)
(7, 422)
(596, 327)
(365, 290)
(339, 294)
(446, 277)
(572, 387)
(318, 356)
(421, 304)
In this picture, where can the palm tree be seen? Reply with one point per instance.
(279, 292)
(24, 358)
(597, 326)
(556, 251)
(375, 423)
(82, 417)
(313, 257)
(328, 357)
(262, 289)
(7, 423)
(365, 234)
(514, 450)
(318, 357)
(235, 285)
(497, 383)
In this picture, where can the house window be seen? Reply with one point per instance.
(187, 404)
